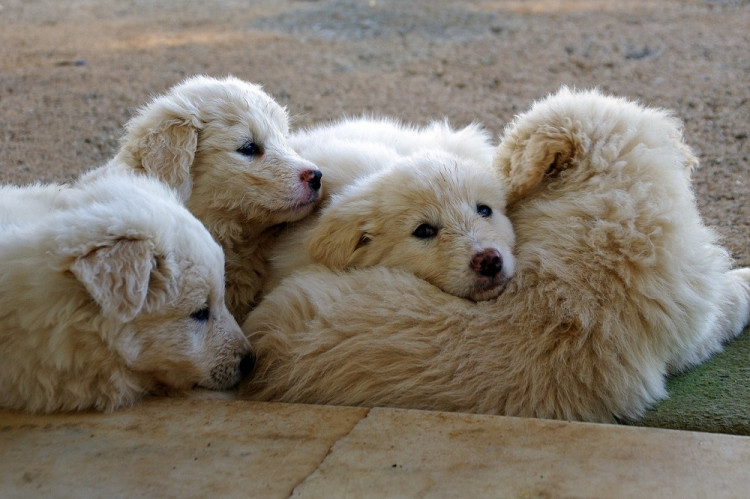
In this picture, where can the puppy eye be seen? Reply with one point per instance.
(250, 149)
(425, 231)
(484, 210)
(201, 315)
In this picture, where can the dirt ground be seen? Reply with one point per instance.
(73, 72)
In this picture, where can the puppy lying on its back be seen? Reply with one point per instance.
(222, 143)
(433, 214)
(618, 282)
(109, 289)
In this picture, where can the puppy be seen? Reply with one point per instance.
(433, 214)
(222, 143)
(351, 148)
(358, 151)
(109, 289)
(618, 282)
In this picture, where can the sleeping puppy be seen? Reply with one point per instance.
(109, 290)
(223, 144)
(432, 214)
(618, 282)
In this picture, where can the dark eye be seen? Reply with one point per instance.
(250, 149)
(425, 231)
(201, 315)
(484, 210)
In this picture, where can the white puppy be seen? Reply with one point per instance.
(109, 289)
(433, 214)
(222, 143)
(618, 282)
(357, 156)
(351, 148)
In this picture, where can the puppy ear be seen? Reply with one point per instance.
(117, 276)
(526, 155)
(335, 239)
(167, 152)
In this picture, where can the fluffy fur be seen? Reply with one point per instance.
(433, 214)
(223, 144)
(618, 282)
(352, 148)
(109, 289)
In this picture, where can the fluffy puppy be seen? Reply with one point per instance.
(351, 148)
(358, 151)
(109, 289)
(222, 143)
(433, 214)
(618, 282)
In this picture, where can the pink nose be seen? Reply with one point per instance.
(312, 177)
(487, 262)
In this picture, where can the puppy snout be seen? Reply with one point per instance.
(487, 262)
(312, 177)
(247, 363)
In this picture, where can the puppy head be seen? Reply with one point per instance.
(186, 335)
(435, 215)
(222, 143)
(577, 135)
(157, 278)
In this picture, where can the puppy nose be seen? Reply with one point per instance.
(487, 262)
(247, 363)
(312, 177)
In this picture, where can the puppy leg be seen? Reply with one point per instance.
(737, 312)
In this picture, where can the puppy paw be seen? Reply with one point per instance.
(742, 278)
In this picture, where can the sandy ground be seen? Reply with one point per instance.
(72, 73)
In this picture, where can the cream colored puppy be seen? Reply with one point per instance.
(433, 214)
(354, 154)
(351, 148)
(223, 144)
(109, 289)
(618, 282)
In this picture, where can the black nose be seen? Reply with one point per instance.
(315, 181)
(312, 177)
(247, 364)
(487, 262)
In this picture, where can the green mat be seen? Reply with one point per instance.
(714, 397)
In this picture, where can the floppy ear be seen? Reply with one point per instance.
(527, 154)
(167, 152)
(117, 276)
(335, 238)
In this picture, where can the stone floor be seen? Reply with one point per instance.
(213, 448)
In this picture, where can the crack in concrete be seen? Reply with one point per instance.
(328, 452)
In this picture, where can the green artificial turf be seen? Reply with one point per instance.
(713, 397)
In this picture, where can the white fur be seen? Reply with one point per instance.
(373, 222)
(382, 179)
(190, 136)
(351, 148)
(618, 282)
(98, 282)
